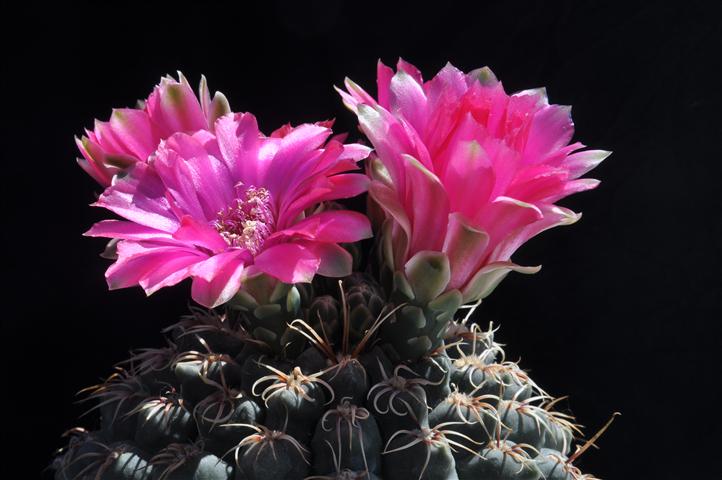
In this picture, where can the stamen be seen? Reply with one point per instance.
(249, 222)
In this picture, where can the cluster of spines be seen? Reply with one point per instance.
(217, 403)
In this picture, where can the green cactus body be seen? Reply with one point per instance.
(271, 454)
(267, 307)
(200, 373)
(219, 415)
(474, 417)
(347, 438)
(423, 453)
(118, 397)
(121, 461)
(294, 402)
(399, 403)
(189, 462)
(352, 396)
(500, 460)
(420, 325)
(164, 420)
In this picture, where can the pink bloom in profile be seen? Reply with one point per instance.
(466, 169)
(132, 134)
(221, 207)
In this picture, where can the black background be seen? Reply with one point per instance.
(625, 314)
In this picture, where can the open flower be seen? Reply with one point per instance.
(224, 206)
(467, 170)
(133, 134)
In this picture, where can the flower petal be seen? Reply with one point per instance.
(137, 261)
(332, 188)
(485, 280)
(337, 226)
(552, 216)
(581, 162)
(288, 262)
(199, 182)
(551, 128)
(239, 141)
(336, 261)
(465, 246)
(425, 205)
(294, 149)
(125, 231)
(199, 234)
(141, 198)
(217, 279)
(408, 99)
(173, 107)
(383, 83)
(133, 129)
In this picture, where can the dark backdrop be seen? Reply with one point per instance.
(623, 317)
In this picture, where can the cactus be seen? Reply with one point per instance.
(290, 375)
(342, 409)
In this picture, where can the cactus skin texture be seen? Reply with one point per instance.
(281, 384)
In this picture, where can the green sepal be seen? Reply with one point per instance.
(428, 273)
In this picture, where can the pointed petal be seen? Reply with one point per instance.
(216, 280)
(200, 235)
(336, 261)
(483, 75)
(354, 152)
(383, 83)
(486, 279)
(219, 107)
(200, 183)
(552, 216)
(173, 107)
(449, 81)
(168, 273)
(204, 95)
(137, 261)
(349, 101)
(125, 231)
(425, 205)
(582, 162)
(293, 151)
(465, 246)
(504, 215)
(333, 188)
(404, 66)
(359, 94)
(239, 142)
(140, 198)
(133, 130)
(337, 226)
(551, 129)
(408, 99)
(94, 161)
(288, 262)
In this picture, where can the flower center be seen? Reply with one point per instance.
(249, 222)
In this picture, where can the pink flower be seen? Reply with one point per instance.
(221, 207)
(465, 169)
(133, 134)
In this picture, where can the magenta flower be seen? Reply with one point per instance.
(465, 169)
(133, 134)
(219, 208)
